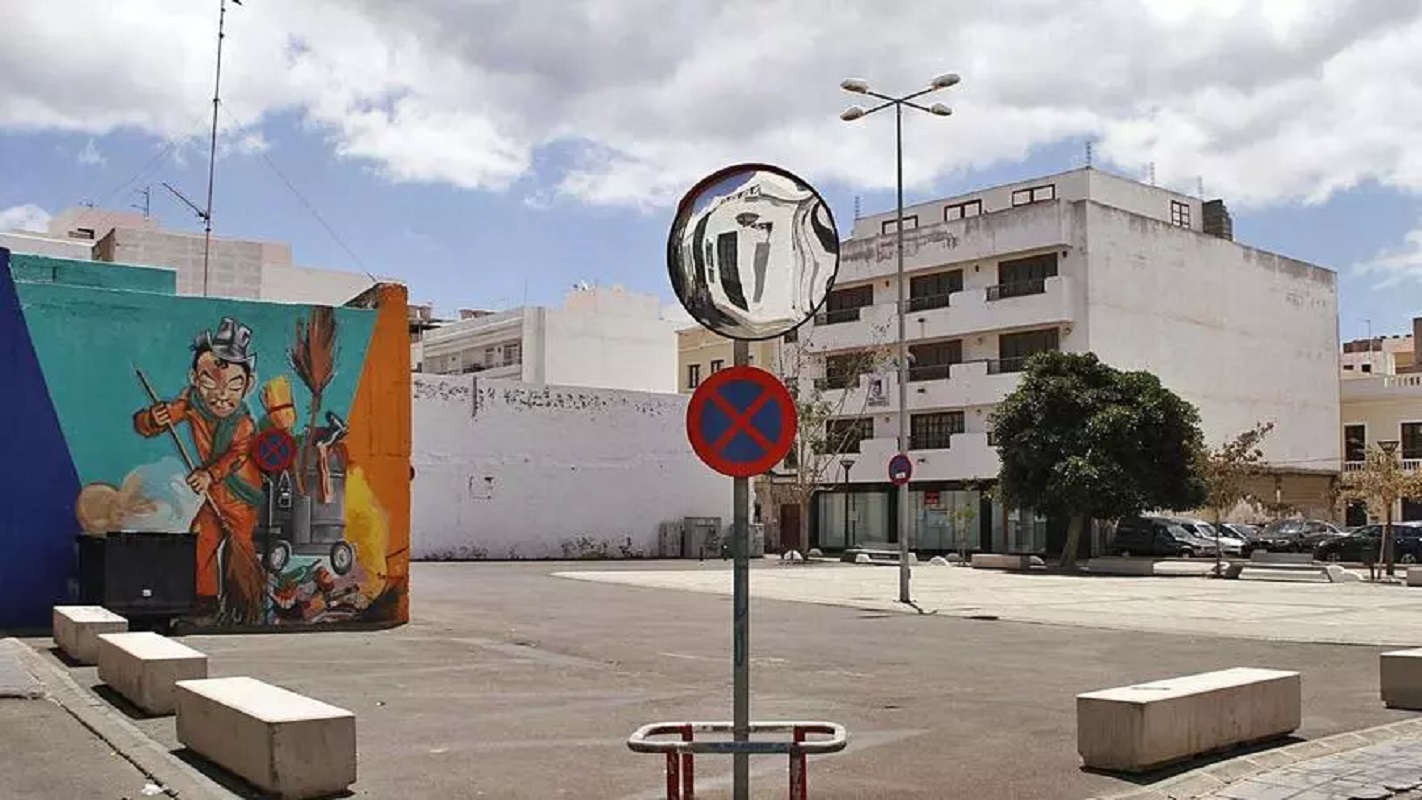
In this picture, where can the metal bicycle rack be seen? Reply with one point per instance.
(681, 752)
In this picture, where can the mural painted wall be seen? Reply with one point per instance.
(279, 434)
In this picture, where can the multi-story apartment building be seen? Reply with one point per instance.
(600, 338)
(1080, 261)
(699, 353)
(1381, 392)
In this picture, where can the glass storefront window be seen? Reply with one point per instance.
(953, 522)
(849, 519)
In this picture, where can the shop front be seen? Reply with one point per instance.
(944, 517)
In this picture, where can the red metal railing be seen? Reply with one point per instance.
(680, 752)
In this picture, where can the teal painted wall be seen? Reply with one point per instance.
(96, 274)
(90, 342)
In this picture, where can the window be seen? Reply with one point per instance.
(843, 370)
(934, 431)
(1355, 442)
(1367, 368)
(693, 376)
(910, 222)
(717, 364)
(512, 354)
(83, 233)
(844, 435)
(791, 336)
(1013, 349)
(491, 356)
(1411, 440)
(1034, 194)
(842, 305)
(1023, 276)
(930, 362)
(931, 291)
(971, 208)
(1348, 367)
(1179, 213)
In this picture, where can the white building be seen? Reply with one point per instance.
(504, 469)
(236, 267)
(1081, 261)
(1382, 401)
(602, 338)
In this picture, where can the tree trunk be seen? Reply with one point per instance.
(1074, 528)
(802, 535)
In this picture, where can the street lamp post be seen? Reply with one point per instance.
(1389, 448)
(846, 463)
(849, 115)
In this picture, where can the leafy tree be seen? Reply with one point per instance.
(815, 455)
(1381, 483)
(1228, 469)
(1083, 440)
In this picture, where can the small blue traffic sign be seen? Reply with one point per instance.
(900, 469)
(741, 421)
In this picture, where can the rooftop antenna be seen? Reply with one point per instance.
(206, 215)
(1151, 173)
(1200, 186)
(147, 207)
(856, 206)
(1088, 153)
(202, 215)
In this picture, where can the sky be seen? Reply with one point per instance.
(496, 152)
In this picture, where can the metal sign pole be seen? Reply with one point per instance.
(740, 634)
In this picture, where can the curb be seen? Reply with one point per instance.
(1217, 776)
(152, 759)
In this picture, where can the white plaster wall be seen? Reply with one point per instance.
(505, 469)
(285, 284)
(1139, 198)
(1246, 336)
(604, 349)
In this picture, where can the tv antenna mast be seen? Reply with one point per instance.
(197, 209)
(147, 207)
(206, 214)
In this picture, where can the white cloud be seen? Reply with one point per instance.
(1396, 265)
(90, 155)
(28, 217)
(1269, 101)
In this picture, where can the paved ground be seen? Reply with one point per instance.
(512, 683)
(1344, 613)
(40, 744)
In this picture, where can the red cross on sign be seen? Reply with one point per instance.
(741, 421)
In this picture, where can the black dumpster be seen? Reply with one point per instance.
(139, 574)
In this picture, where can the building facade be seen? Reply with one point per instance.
(1381, 391)
(1080, 261)
(700, 353)
(599, 338)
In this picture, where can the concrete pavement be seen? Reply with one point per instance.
(1339, 613)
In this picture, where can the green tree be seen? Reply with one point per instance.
(1227, 471)
(1381, 483)
(1082, 440)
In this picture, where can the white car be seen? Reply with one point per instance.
(1229, 544)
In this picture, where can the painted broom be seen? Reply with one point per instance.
(313, 358)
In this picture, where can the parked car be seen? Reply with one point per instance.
(1227, 543)
(1152, 536)
(1242, 531)
(1366, 544)
(1293, 536)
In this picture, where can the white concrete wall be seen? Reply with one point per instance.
(1246, 336)
(77, 249)
(607, 350)
(1139, 198)
(285, 284)
(505, 469)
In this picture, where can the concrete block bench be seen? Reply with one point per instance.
(1414, 576)
(144, 666)
(1140, 728)
(281, 742)
(77, 629)
(1401, 679)
(1265, 557)
(1117, 565)
(1000, 561)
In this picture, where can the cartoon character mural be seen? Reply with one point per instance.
(288, 528)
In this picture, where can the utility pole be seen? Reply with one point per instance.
(212, 146)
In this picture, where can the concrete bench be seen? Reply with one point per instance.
(144, 666)
(1265, 557)
(281, 742)
(1401, 679)
(77, 629)
(1414, 576)
(1000, 561)
(1116, 565)
(1140, 728)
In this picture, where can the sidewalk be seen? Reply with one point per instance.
(1373, 764)
(46, 753)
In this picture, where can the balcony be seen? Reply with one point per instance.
(1029, 227)
(1408, 465)
(963, 313)
(967, 457)
(962, 385)
(1382, 388)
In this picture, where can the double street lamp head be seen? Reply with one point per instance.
(852, 113)
(940, 109)
(854, 85)
(944, 81)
